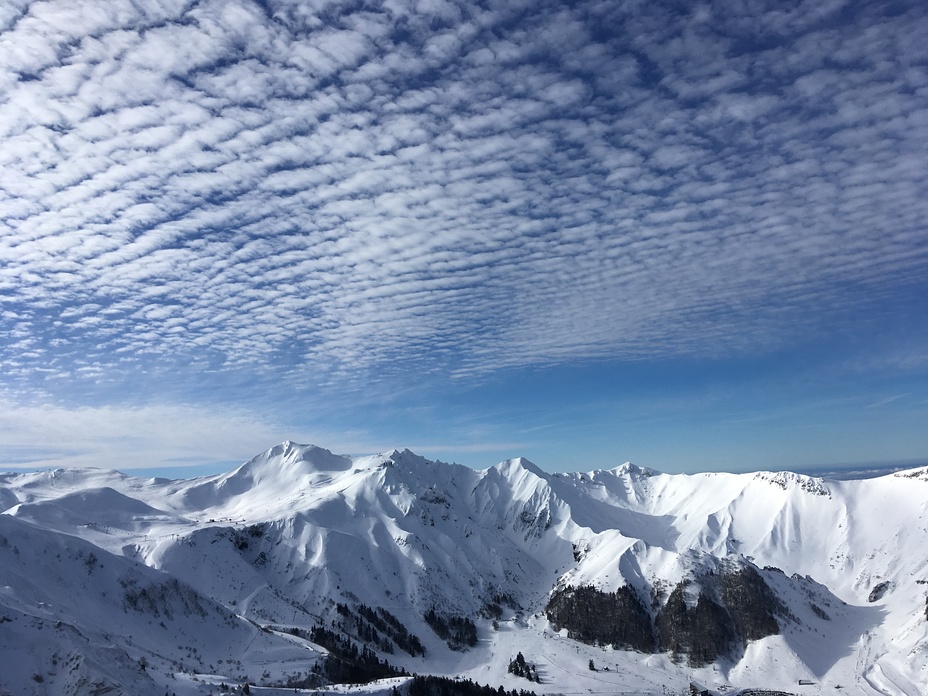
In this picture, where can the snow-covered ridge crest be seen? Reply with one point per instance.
(290, 458)
(920, 473)
(787, 479)
(629, 469)
(298, 530)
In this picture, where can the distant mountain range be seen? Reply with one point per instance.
(302, 568)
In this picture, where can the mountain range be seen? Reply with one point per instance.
(306, 569)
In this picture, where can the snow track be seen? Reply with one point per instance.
(245, 604)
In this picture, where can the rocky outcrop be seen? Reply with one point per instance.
(703, 619)
(880, 589)
(605, 618)
(751, 603)
(703, 631)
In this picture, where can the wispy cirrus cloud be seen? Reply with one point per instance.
(195, 192)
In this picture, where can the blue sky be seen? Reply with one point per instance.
(689, 235)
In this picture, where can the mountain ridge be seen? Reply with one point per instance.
(297, 530)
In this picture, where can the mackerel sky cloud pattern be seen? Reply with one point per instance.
(313, 195)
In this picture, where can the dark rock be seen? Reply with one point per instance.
(880, 589)
(608, 618)
(731, 608)
(819, 612)
(752, 604)
(704, 632)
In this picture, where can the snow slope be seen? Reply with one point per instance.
(286, 537)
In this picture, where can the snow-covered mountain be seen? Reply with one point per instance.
(730, 580)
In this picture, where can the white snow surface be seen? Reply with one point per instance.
(199, 580)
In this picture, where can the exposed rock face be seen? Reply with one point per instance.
(705, 620)
(752, 604)
(880, 589)
(608, 618)
(703, 632)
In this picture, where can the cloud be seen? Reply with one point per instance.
(887, 400)
(127, 438)
(339, 195)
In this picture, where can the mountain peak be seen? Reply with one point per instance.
(517, 464)
(290, 460)
(404, 454)
(629, 469)
(404, 457)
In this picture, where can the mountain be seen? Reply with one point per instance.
(303, 567)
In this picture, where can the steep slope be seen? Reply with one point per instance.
(77, 619)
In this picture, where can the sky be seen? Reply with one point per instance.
(689, 235)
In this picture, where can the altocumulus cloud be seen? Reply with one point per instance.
(313, 193)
